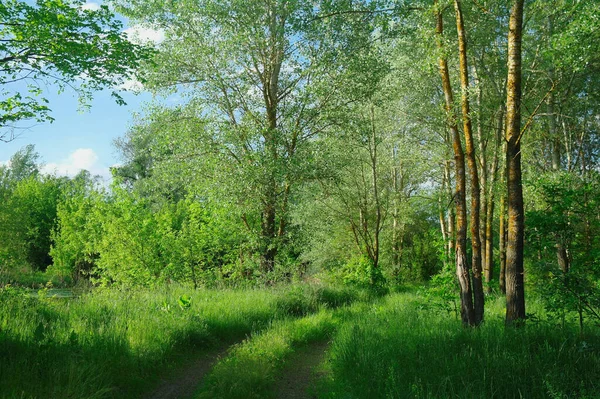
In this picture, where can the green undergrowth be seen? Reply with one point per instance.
(28, 279)
(110, 343)
(402, 348)
(251, 367)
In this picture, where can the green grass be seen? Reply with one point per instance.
(402, 349)
(25, 277)
(251, 368)
(117, 343)
(111, 343)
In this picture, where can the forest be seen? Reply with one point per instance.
(338, 199)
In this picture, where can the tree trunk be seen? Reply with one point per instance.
(270, 82)
(502, 234)
(443, 226)
(489, 229)
(478, 295)
(269, 212)
(561, 251)
(269, 248)
(451, 220)
(375, 177)
(487, 207)
(515, 292)
(462, 269)
(396, 234)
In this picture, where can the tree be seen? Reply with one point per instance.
(58, 42)
(462, 267)
(24, 163)
(356, 190)
(566, 213)
(515, 289)
(28, 217)
(261, 75)
(28, 204)
(478, 297)
(77, 229)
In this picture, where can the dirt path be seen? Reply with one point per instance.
(183, 383)
(300, 372)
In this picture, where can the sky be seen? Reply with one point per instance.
(82, 140)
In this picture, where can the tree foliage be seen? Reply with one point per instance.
(62, 43)
(318, 138)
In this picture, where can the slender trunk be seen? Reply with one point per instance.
(395, 211)
(489, 234)
(502, 238)
(484, 190)
(478, 295)
(451, 219)
(552, 130)
(270, 82)
(269, 248)
(374, 176)
(489, 246)
(462, 267)
(442, 217)
(443, 227)
(515, 291)
(395, 243)
(561, 251)
(269, 212)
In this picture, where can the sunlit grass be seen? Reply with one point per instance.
(251, 368)
(402, 348)
(117, 343)
(114, 343)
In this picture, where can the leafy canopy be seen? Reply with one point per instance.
(59, 43)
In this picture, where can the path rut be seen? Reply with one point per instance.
(300, 373)
(184, 383)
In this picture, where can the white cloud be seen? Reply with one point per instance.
(82, 158)
(91, 6)
(144, 34)
(132, 84)
(5, 163)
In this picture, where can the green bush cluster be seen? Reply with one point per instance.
(564, 218)
(303, 299)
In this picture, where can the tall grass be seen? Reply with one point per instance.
(114, 343)
(402, 349)
(251, 368)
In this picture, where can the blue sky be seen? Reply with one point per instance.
(77, 140)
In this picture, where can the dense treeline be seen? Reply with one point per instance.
(377, 142)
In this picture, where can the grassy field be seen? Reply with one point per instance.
(252, 367)
(115, 343)
(118, 343)
(402, 348)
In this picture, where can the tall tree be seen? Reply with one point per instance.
(478, 297)
(462, 267)
(261, 74)
(515, 290)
